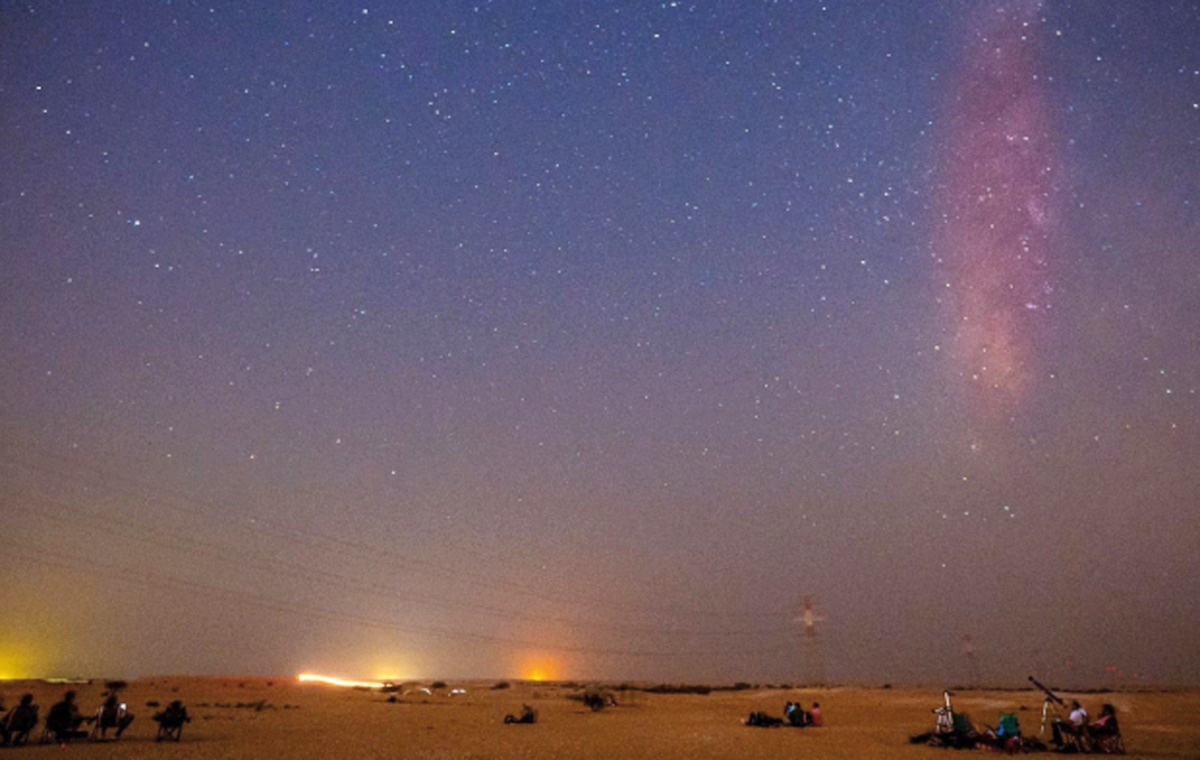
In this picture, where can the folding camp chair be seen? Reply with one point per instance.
(170, 722)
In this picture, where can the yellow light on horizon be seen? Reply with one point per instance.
(16, 662)
(331, 681)
(391, 669)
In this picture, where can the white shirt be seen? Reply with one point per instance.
(1078, 716)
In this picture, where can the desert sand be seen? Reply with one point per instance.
(278, 717)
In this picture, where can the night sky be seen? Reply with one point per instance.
(587, 340)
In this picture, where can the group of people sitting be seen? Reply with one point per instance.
(1078, 735)
(794, 715)
(64, 721)
(956, 730)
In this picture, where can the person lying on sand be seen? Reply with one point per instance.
(762, 720)
(528, 715)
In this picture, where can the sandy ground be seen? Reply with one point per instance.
(259, 717)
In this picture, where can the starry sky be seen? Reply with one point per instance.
(588, 340)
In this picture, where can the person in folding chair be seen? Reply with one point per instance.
(112, 714)
(63, 721)
(1105, 733)
(170, 722)
(1071, 734)
(19, 722)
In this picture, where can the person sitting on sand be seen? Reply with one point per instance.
(63, 720)
(19, 721)
(815, 718)
(1006, 735)
(112, 715)
(793, 713)
(528, 715)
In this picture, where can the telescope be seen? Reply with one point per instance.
(1046, 690)
(1047, 703)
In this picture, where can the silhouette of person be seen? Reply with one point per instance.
(63, 720)
(19, 722)
(113, 715)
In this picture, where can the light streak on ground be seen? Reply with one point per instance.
(331, 681)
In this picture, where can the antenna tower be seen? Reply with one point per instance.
(811, 643)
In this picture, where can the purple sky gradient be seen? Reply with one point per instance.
(459, 339)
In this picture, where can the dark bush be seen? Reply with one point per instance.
(594, 700)
(664, 688)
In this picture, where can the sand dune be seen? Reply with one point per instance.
(277, 717)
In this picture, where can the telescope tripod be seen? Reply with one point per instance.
(1049, 707)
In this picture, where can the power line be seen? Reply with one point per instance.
(126, 530)
(128, 575)
(258, 525)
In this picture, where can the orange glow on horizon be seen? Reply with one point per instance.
(391, 669)
(539, 669)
